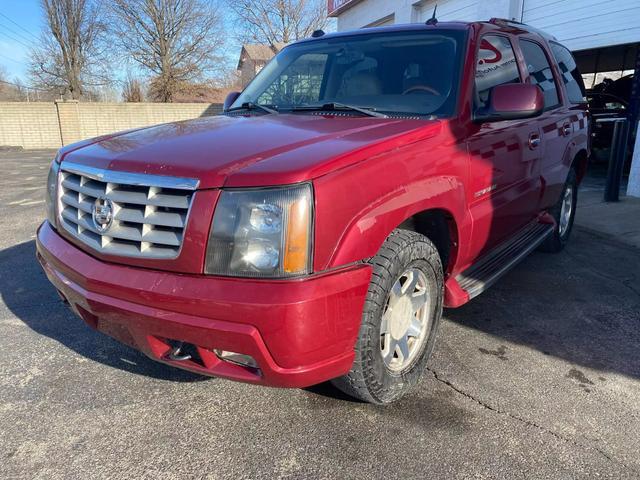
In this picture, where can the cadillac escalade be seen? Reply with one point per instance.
(315, 229)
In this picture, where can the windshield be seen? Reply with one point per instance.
(415, 73)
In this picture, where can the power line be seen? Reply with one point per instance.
(24, 64)
(20, 35)
(15, 39)
(18, 25)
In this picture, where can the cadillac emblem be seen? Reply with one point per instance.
(102, 214)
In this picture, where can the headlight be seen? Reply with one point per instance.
(262, 233)
(51, 197)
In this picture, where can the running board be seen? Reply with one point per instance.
(486, 271)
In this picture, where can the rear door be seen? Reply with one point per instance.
(573, 113)
(502, 183)
(555, 124)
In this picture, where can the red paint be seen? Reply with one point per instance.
(369, 175)
(301, 332)
(517, 98)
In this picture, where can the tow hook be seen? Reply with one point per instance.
(176, 353)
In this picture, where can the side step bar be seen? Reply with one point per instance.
(486, 271)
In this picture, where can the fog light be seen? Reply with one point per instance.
(237, 358)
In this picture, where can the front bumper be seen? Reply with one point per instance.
(300, 332)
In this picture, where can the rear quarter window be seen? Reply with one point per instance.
(569, 72)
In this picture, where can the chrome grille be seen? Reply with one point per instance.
(148, 212)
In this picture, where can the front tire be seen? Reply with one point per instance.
(400, 319)
(564, 213)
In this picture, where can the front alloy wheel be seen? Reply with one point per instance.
(399, 320)
(405, 320)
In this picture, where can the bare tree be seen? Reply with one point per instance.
(176, 41)
(4, 85)
(274, 21)
(71, 56)
(132, 90)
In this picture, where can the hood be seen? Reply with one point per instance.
(246, 151)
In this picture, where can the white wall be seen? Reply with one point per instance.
(407, 11)
(579, 24)
(370, 11)
(584, 24)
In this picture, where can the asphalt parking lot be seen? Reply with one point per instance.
(537, 378)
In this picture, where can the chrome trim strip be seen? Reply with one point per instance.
(127, 178)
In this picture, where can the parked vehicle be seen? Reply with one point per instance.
(603, 108)
(621, 88)
(315, 230)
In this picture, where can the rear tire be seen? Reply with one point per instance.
(399, 321)
(563, 212)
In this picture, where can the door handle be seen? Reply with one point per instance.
(566, 129)
(534, 141)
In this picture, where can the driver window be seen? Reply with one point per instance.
(496, 65)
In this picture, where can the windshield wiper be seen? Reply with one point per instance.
(342, 106)
(254, 106)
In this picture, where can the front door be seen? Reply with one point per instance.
(503, 189)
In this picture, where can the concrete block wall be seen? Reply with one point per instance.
(50, 125)
(29, 125)
(101, 118)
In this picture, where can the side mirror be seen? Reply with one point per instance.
(512, 101)
(231, 97)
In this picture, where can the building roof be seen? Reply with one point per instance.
(258, 52)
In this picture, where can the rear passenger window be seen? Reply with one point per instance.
(496, 65)
(570, 75)
(540, 72)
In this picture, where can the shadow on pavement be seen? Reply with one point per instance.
(581, 305)
(27, 293)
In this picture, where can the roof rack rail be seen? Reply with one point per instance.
(524, 26)
(506, 21)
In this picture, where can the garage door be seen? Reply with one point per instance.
(583, 24)
(465, 10)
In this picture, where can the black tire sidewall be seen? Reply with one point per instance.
(555, 242)
(384, 384)
(571, 181)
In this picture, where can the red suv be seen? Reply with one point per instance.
(316, 228)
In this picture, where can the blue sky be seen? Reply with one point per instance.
(20, 21)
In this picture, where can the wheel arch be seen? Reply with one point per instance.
(439, 226)
(579, 164)
(431, 217)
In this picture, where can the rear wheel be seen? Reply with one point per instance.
(564, 213)
(399, 321)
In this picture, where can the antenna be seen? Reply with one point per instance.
(433, 20)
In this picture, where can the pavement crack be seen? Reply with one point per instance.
(529, 423)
